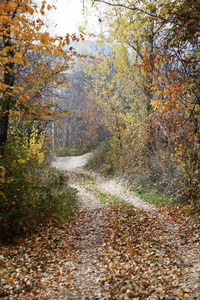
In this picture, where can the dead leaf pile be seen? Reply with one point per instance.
(104, 253)
(141, 262)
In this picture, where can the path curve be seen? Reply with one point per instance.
(171, 229)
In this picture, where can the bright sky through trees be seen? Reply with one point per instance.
(66, 17)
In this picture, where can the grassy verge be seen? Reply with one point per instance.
(153, 196)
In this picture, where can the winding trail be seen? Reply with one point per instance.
(87, 273)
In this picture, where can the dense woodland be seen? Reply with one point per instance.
(127, 94)
(137, 95)
(132, 95)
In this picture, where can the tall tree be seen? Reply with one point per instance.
(165, 37)
(22, 32)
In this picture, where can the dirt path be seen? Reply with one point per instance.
(88, 273)
(116, 247)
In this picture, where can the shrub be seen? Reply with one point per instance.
(103, 159)
(30, 192)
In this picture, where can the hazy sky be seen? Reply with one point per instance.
(67, 15)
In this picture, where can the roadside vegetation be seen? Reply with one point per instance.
(32, 192)
(33, 66)
(129, 252)
(133, 100)
(145, 182)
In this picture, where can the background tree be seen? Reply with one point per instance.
(159, 42)
(22, 33)
(33, 66)
(82, 129)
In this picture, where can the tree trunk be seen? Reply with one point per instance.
(149, 77)
(6, 97)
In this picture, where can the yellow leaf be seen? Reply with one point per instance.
(101, 43)
(10, 279)
(42, 12)
(18, 55)
(43, 39)
(101, 36)
(14, 5)
(109, 40)
(1, 193)
(2, 173)
(34, 47)
(31, 10)
(114, 34)
(81, 28)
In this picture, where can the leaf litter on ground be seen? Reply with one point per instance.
(136, 260)
(107, 251)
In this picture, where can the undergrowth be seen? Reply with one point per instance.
(153, 196)
(151, 177)
(31, 192)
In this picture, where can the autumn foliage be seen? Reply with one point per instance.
(147, 86)
(138, 93)
(32, 62)
(32, 66)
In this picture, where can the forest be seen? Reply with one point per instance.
(128, 95)
(136, 96)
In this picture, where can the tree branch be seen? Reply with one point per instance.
(146, 12)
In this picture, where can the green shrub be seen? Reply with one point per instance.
(30, 192)
(103, 159)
